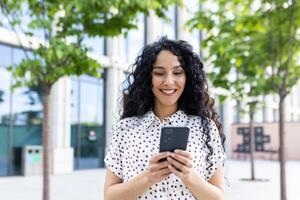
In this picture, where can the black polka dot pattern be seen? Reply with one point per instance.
(135, 140)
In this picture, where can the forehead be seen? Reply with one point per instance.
(166, 58)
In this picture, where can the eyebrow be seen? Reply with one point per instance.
(161, 67)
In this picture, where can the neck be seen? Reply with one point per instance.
(164, 111)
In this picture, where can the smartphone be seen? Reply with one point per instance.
(172, 138)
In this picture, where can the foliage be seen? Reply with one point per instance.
(62, 21)
(255, 40)
(259, 41)
(108, 18)
(50, 63)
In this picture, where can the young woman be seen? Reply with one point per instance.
(167, 87)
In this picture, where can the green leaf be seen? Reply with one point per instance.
(248, 42)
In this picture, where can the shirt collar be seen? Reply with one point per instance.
(148, 118)
(179, 118)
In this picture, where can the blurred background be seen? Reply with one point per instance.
(77, 55)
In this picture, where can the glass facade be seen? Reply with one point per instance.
(135, 40)
(87, 118)
(21, 118)
(4, 112)
(168, 27)
(20, 115)
(195, 39)
(95, 45)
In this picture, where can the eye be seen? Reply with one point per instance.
(178, 72)
(157, 73)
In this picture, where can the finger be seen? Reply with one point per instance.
(184, 160)
(184, 153)
(163, 164)
(165, 176)
(174, 171)
(158, 166)
(159, 156)
(162, 172)
(178, 165)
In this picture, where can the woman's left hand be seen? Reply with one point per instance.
(181, 164)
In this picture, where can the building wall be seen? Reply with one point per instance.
(116, 54)
(271, 148)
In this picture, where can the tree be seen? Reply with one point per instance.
(55, 57)
(259, 39)
(233, 67)
(282, 44)
(48, 63)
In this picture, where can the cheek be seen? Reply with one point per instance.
(155, 83)
(154, 87)
(182, 83)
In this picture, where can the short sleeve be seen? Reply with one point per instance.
(218, 156)
(113, 158)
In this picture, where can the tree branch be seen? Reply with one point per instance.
(291, 33)
(272, 51)
(46, 35)
(5, 10)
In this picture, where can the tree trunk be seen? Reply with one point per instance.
(46, 144)
(252, 146)
(282, 157)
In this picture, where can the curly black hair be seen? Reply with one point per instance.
(138, 97)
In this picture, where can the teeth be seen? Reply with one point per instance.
(168, 91)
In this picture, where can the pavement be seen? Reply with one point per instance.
(88, 184)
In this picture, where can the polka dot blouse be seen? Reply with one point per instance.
(135, 140)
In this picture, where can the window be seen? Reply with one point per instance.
(195, 39)
(87, 99)
(95, 45)
(20, 115)
(168, 26)
(4, 115)
(275, 115)
(87, 118)
(6, 58)
(135, 40)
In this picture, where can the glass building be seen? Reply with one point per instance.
(85, 108)
(21, 116)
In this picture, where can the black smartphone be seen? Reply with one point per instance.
(172, 138)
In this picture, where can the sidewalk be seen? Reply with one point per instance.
(88, 184)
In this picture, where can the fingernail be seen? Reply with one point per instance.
(176, 151)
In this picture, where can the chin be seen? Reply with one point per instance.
(168, 103)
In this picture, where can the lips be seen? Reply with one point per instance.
(168, 92)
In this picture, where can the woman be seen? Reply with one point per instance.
(168, 87)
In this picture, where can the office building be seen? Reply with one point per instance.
(83, 109)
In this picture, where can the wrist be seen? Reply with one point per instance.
(148, 182)
(189, 179)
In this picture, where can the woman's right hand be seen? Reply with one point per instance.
(158, 171)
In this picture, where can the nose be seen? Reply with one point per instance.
(169, 80)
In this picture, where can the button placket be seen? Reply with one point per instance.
(165, 122)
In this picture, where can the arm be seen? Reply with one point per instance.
(211, 190)
(181, 166)
(114, 188)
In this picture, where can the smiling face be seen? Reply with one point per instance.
(168, 80)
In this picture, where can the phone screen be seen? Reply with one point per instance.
(172, 138)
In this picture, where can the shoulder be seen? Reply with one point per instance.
(126, 124)
(204, 123)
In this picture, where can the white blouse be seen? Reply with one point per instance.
(136, 140)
